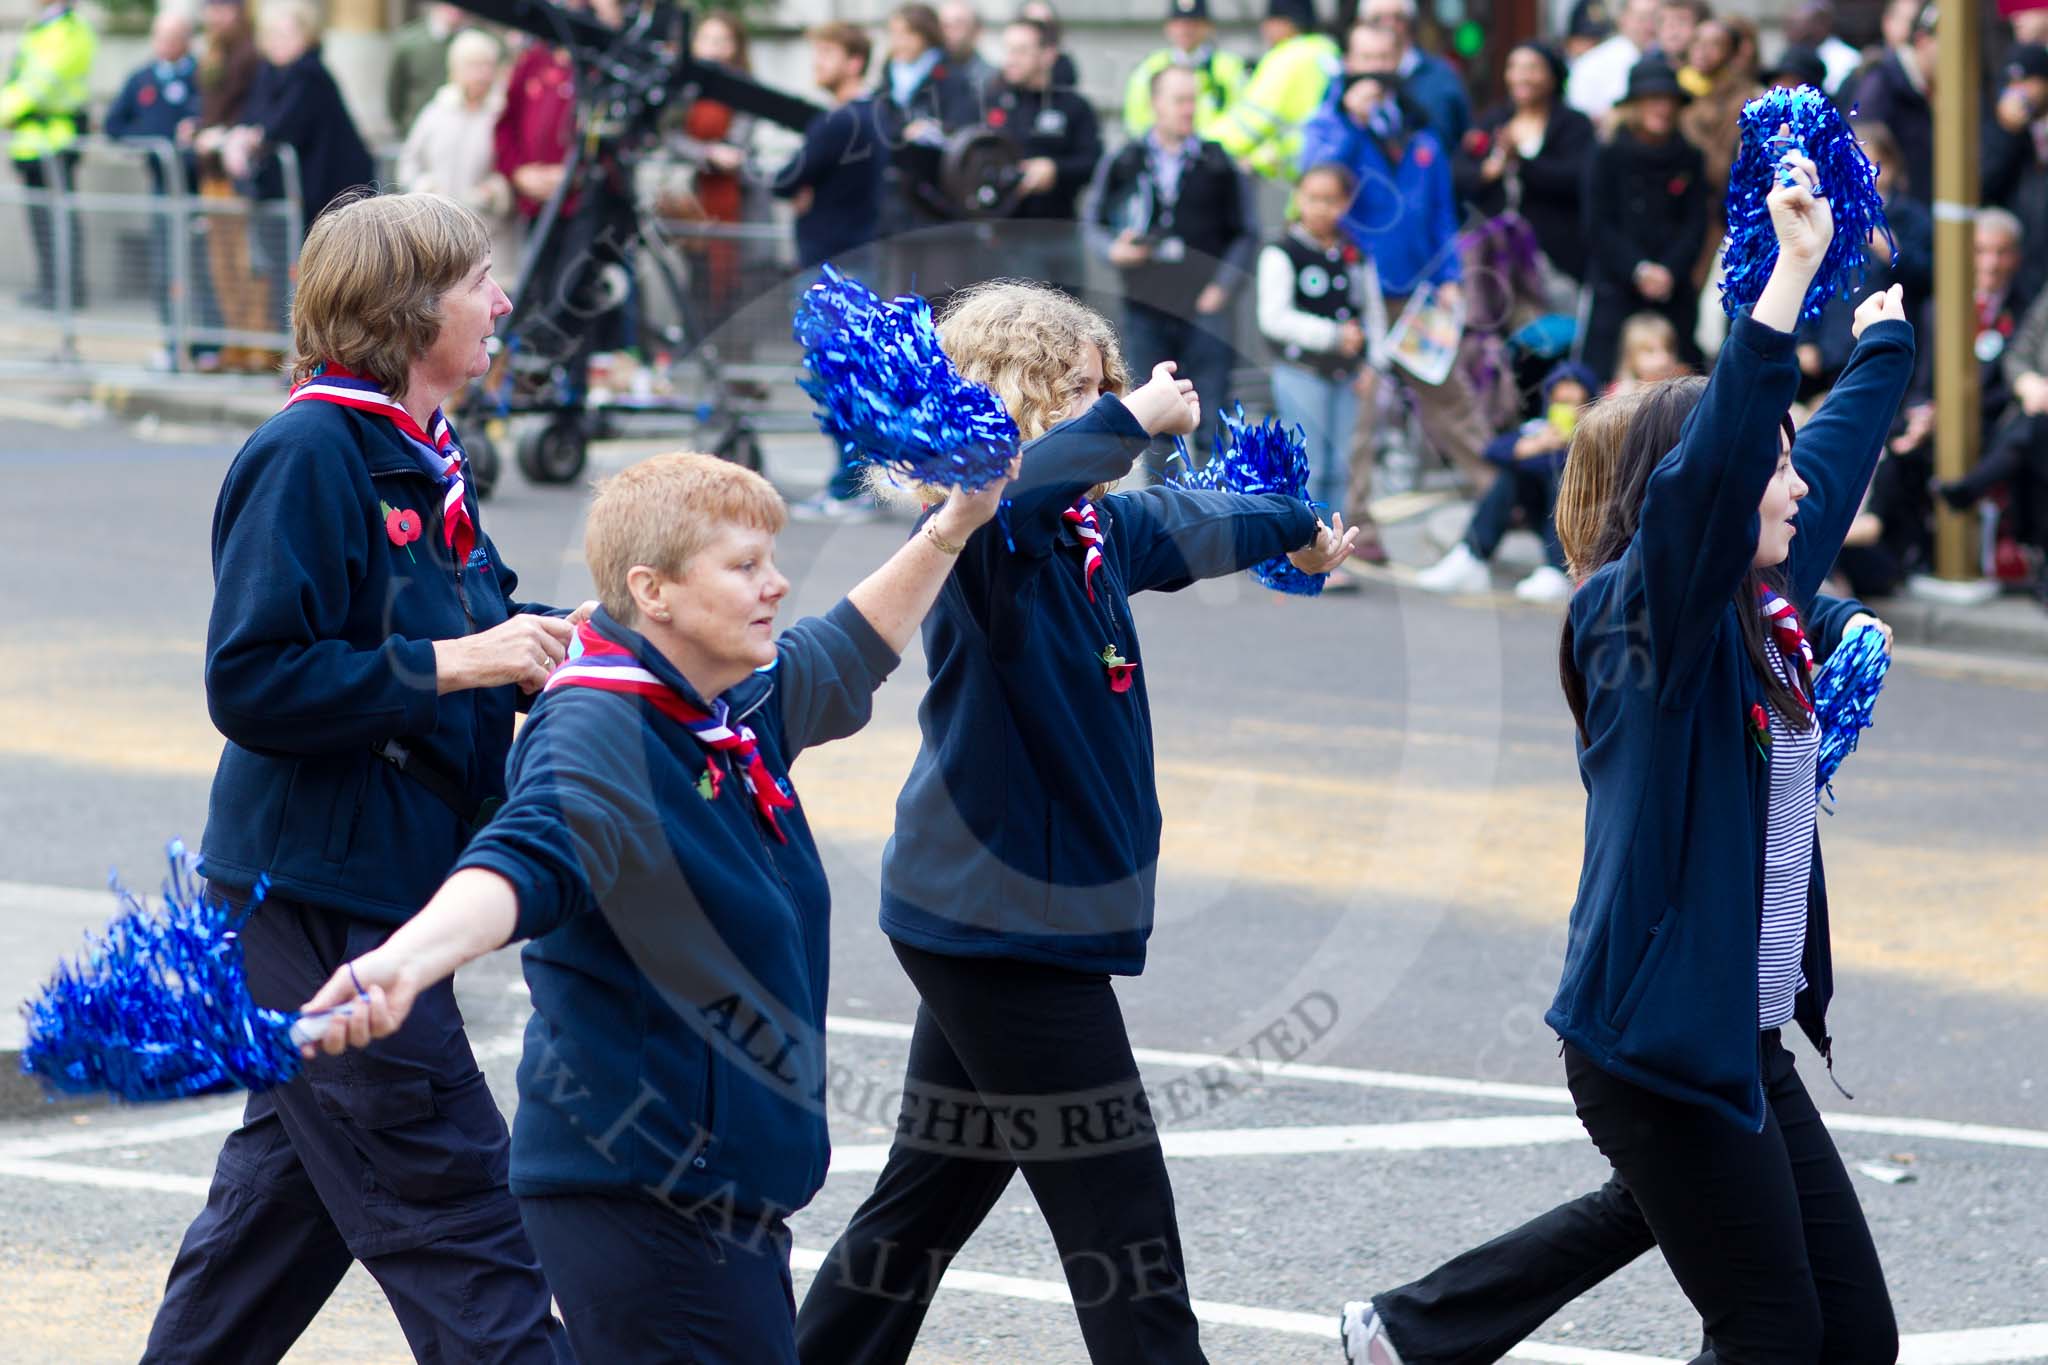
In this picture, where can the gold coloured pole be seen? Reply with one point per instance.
(1957, 424)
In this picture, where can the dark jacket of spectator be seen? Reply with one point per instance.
(1439, 92)
(1548, 189)
(1406, 214)
(300, 106)
(1056, 123)
(1913, 267)
(942, 96)
(1888, 95)
(155, 100)
(1211, 213)
(2013, 176)
(1645, 202)
(539, 117)
(841, 164)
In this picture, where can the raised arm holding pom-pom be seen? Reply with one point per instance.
(1805, 226)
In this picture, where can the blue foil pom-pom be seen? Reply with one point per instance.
(1261, 457)
(1847, 180)
(886, 393)
(1845, 696)
(158, 1007)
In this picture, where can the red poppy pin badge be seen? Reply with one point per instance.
(402, 525)
(1760, 730)
(1118, 667)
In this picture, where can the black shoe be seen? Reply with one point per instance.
(1955, 492)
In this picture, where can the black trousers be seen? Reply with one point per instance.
(1012, 1066)
(395, 1156)
(1531, 488)
(2018, 456)
(1763, 1232)
(642, 1282)
(42, 227)
(1200, 346)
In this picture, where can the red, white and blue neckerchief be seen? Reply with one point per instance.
(610, 667)
(1792, 642)
(333, 384)
(1081, 516)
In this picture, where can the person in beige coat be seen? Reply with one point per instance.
(451, 149)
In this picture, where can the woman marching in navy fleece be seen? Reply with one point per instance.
(652, 847)
(1020, 877)
(1701, 924)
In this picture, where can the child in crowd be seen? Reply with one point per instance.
(1649, 354)
(1312, 311)
(1019, 883)
(1531, 459)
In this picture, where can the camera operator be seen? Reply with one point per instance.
(1056, 133)
(1178, 220)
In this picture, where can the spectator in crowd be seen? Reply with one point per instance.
(1531, 457)
(1600, 78)
(161, 97)
(1180, 224)
(1312, 312)
(1057, 136)
(2016, 449)
(1649, 355)
(295, 102)
(162, 93)
(452, 147)
(2029, 26)
(419, 63)
(1812, 25)
(1898, 92)
(1796, 66)
(233, 297)
(1586, 28)
(534, 131)
(834, 182)
(1405, 218)
(1262, 131)
(1430, 82)
(42, 112)
(1528, 155)
(2002, 298)
(1065, 75)
(2014, 175)
(716, 141)
(1713, 121)
(919, 101)
(960, 22)
(1676, 24)
(1190, 42)
(1646, 218)
(1826, 342)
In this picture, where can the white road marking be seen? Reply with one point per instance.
(1973, 1346)
(1429, 1136)
(1255, 1071)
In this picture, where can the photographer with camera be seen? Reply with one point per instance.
(1178, 220)
(1059, 140)
(920, 100)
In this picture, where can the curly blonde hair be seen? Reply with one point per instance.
(1024, 339)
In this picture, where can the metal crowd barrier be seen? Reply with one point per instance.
(126, 261)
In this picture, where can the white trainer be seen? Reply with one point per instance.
(1460, 572)
(1364, 1335)
(1545, 584)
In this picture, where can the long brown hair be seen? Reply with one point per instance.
(1617, 445)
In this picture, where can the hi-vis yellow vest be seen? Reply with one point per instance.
(45, 91)
(1262, 127)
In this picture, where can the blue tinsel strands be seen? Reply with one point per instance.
(1847, 181)
(1845, 694)
(886, 392)
(1258, 458)
(158, 1008)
